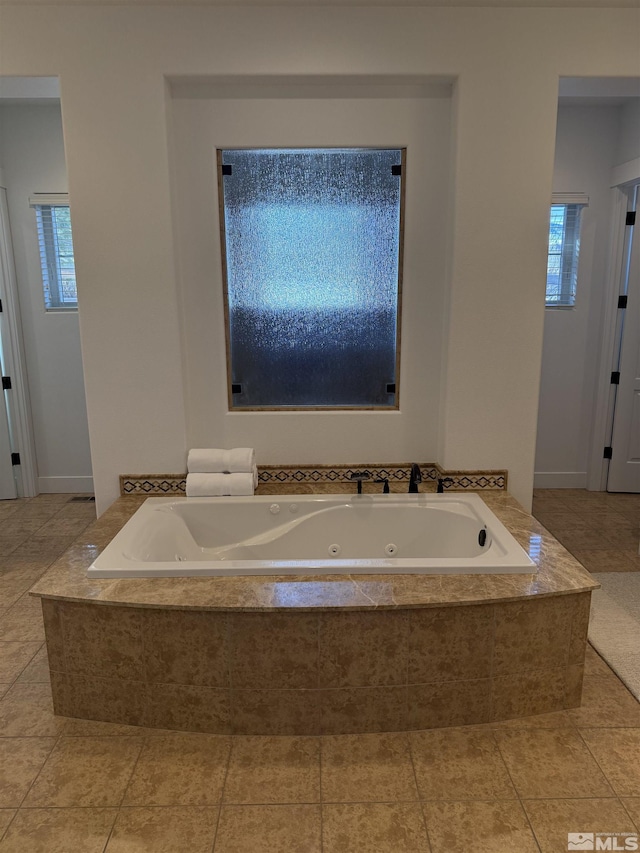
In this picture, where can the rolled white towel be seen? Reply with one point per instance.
(210, 460)
(213, 485)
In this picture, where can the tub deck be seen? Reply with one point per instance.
(276, 655)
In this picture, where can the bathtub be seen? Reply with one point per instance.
(312, 534)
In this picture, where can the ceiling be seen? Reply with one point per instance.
(598, 91)
(611, 4)
(610, 91)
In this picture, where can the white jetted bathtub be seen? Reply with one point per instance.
(312, 534)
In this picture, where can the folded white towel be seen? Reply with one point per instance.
(210, 460)
(212, 485)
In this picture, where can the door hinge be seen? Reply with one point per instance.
(0, 306)
(15, 459)
(396, 170)
(622, 300)
(226, 169)
(608, 453)
(631, 218)
(6, 383)
(615, 377)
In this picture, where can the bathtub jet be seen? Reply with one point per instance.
(312, 535)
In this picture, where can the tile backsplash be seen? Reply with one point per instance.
(324, 475)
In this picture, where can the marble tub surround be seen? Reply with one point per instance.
(261, 655)
(558, 573)
(326, 672)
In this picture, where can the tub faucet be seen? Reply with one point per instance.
(359, 476)
(415, 477)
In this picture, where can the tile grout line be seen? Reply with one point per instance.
(529, 824)
(231, 739)
(320, 792)
(228, 652)
(12, 683)
(319, 695)
(124, 793)
(6, 829)
(408, 618)
(145, 674)
(108, 838)
(631, 818)
(37, 776)
(517, 792)
(320, 725)
(604, 775)
(420, 800)
(492, 661)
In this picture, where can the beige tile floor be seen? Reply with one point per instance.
(602, 530)
(74, 786)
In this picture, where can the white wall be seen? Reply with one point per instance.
(32, 153)
(112, 62)
(422, 126)
(590, 141)
(586, 142)
(629, 141)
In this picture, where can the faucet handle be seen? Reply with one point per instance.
(385, 488)
(442, 482)
(359, 476)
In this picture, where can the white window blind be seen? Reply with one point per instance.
(56, 251)
(564, 248)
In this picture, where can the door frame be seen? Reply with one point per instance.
(19, 408)
(623, 178)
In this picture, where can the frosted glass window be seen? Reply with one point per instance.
(311, 246)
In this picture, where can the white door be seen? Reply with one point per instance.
(9, 399)
(7, 480)
(8, 488)
(624, 467)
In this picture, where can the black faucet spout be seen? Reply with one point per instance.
(415, 477)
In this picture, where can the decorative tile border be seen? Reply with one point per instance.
(475, 481)
(340, 473)
(470, 481)
(153, 484)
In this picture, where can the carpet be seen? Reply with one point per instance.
(614, 628)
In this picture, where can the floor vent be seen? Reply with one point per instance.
(81, 499)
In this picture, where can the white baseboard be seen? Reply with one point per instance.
(63, 485)
(560, 480)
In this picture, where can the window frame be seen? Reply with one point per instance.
(232, 407)
(570, 251)
(49, 254)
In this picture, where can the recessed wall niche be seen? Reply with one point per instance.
(412, 113)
